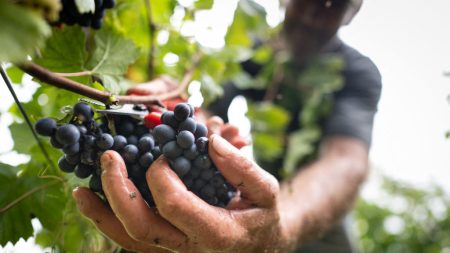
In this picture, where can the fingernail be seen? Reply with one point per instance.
(221, 146)
(105, 160)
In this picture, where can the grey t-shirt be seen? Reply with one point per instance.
(353, 113)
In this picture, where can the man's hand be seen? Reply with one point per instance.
(182, 221)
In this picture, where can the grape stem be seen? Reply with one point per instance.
(27, 194)
(107, 98)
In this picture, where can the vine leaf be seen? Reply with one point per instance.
(21, 32)
(22, 196)
(111, 58)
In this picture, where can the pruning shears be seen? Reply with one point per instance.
(150, 119)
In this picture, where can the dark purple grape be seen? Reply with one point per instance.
(146, 144)
(200, 131)
(191, 153)
(217, 180)
(130, 153)
(83, 170)
(207, 192)
(85, 20)
(105, 141)
(185, 139)
(182, 111)
(213, 201)
(133, 139)
(45, 126)
(95, 184)
(125, 128)
(55, 143)
(136, 172)
(73, 159)
(171, 150)
(72, 149)
(202, 162)
(198, 184)
(189, 125)
(195, 172)
(163, 134)
(119, 142)
(141, 130)
(156, 152)
(83, 112)
(82, 129)
(146, 160)
(181, 166)
(88, 157)
(97, 23)
(65, 166)
(168, 118)
(207, 174)
(67, 134)
(188, 180)
(202, 145)
(192, 110)
(88, 142)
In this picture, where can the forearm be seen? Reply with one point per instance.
(319, 195)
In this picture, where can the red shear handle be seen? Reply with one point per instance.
(152, 119)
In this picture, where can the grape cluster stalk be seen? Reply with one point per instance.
(179, 138)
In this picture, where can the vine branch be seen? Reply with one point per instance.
(152, 36)
(59, 81)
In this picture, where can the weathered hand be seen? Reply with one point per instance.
(182, 222)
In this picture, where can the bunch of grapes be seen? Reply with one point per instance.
(83, 141)
(70, 14)
(184, 142)
(180, 138)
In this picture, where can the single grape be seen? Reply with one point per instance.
(73, 159)
(130, 153)
(141, 130)
(181, 166)
(95, 184)
(135, 172)
(45, 126)
(217, 180)
(202, 162)
(67, 134)
(83, 130)
(185, 139)
(65, 166)
(192, 110)
(133, 139)
(146, 144)
(125, 128)
(207, 191)
(83, 112)
(200, 131)
(189, 125)
(97, 23)
(198, 184)
(55, 143)
(163, 134)
(213, 201)
(105, 141)
(83, 170)
(207, 174)
(71, 149)
(146, 160)
(156, 152)
(195, 172)
(202, 145)
(89, 142)
(171, 150)
(191, 153)
(188, 180)
(119, 142)
(168, 118)
(182, 111)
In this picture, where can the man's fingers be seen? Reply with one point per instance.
(200, 221)
(214, 125)
(157, 86)
(141, 222)
(231, 134)
(104, 219)
(256, 185)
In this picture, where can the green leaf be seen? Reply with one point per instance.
(65, 50)
(22, 136)
(15, 74)
(203, 4)
(21, 32)
(113, 53)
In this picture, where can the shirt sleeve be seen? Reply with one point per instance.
(356, 104)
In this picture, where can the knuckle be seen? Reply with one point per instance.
(170, 207)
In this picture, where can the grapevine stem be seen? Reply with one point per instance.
(152, 36)
(26, 195)
(81, 73)
(25, 116)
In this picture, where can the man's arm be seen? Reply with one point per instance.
(321, 194)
